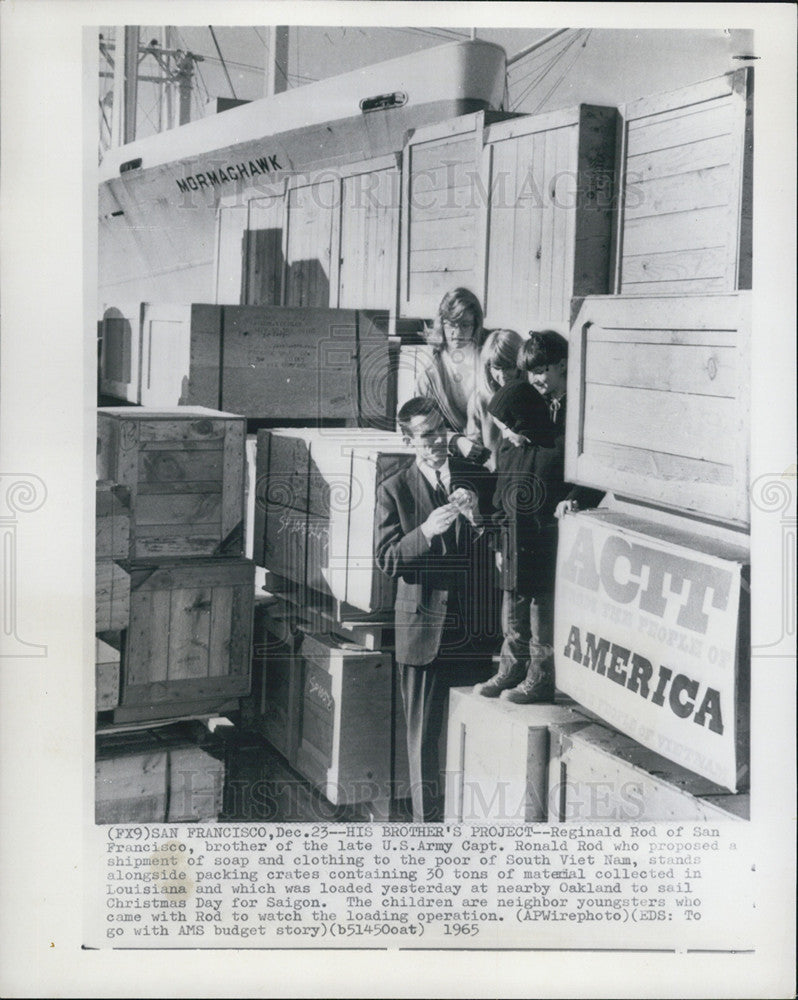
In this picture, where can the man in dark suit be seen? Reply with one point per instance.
(428, 538)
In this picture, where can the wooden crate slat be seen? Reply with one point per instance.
(232, 509)
(156, 509)
(689, 191)
(672, 422)
(241, 630)
(172, 465)
(204, 385)
(680, 126)
(190, 630)
(645, 462)
(176, 488)
(176, 695)
(161, 546)
(683, 230)
(222, 627)
(708, 371)
(700, 155)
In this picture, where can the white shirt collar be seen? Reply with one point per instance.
(429, 475)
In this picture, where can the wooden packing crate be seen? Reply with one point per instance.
(156, 776)
(112, 521)
(107, 664)
(275, 663)
(189, 635)
(642, 657)
(597, 773)
(184, 468)
(278, 676)
(497, 757)
(659, 401)
(296, 362)
(519, 209)
(344, 746)
(111, 596)
(688, 171)
(316, 612)
(315, 506)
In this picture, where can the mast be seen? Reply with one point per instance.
(126, 52)
(168, 68)
(276, 60)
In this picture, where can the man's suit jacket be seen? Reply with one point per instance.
(435, 580)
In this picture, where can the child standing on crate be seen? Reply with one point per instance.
(530, 493)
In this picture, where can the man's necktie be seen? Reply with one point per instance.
(450, 539)
(441, 496)
(554, 409)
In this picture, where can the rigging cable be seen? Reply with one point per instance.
(283, 69)
(544, 73)
(224, 64)
(547, 54)
(540, 72)
(562, 75)
(536, 78)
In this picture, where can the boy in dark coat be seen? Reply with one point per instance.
(530, 492)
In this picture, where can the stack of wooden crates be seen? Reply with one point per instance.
(323, 646)
(174, 594)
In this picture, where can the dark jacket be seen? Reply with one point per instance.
(529, 487)
(432, 577)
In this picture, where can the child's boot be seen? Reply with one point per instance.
(507, 676)
(538, 688)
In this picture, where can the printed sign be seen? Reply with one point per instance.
(646, 637)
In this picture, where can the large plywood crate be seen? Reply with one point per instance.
(659, 407)
(184, 468)
(517, 209)
(599, 774)
(156, 776)
(292, 362)
(189, 635)
(548, 214)
(344, 745)
(687, 204)
(497, 758)
(652, 634)
(315, 508)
